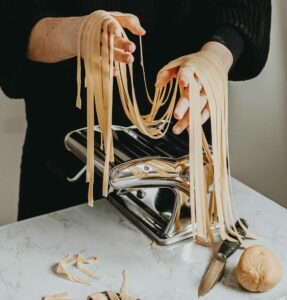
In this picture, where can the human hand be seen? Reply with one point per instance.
(184, 73)
(55, 39)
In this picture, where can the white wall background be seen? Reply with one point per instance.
(12, 131)
(258, 119)
(258, 128)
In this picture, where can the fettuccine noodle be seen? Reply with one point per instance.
(94, 44)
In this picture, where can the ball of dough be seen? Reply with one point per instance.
(259, 269)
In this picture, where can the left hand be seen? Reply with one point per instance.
(181, 111)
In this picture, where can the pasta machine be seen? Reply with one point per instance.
(148, 180)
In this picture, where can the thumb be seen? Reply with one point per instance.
(129, 21)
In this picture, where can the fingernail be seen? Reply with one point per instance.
(177, 115)
(132, 48)
(176, 130)
(183, 82)
(130, 59)
(143, 31)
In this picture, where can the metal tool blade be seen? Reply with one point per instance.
(212, 275)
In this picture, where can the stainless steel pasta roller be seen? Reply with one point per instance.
(149, 180)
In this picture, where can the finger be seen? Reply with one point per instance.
(113, 27)
(181, 108)
(182, 124)
(124, 44)
(165, 76)
(185, 74)
(124, 57)
(129, 21)
(205, 114)
(182, 105)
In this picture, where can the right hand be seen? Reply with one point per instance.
(55, 39)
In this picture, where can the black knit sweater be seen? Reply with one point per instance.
(169, 24)
(174, 28)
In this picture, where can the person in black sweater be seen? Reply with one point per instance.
(37, 63)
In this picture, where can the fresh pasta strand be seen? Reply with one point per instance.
(123, 295)
(99, 64)
(93, 46)
(77, 260)
(63, 296)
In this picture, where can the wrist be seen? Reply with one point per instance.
(54, 39)
(221, 51)
(67, 34)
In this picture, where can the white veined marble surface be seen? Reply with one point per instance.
(29, 249)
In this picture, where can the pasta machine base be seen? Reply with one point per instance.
(146, 180)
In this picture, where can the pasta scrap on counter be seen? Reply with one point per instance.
(111, 295)
(107, 295)
(77, 261)
(64, 296)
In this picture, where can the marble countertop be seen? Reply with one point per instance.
(29, 249)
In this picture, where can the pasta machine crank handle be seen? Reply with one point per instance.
(77, 176)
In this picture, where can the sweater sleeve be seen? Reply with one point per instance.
(229, 38)
(17, 18)
(252, 20)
